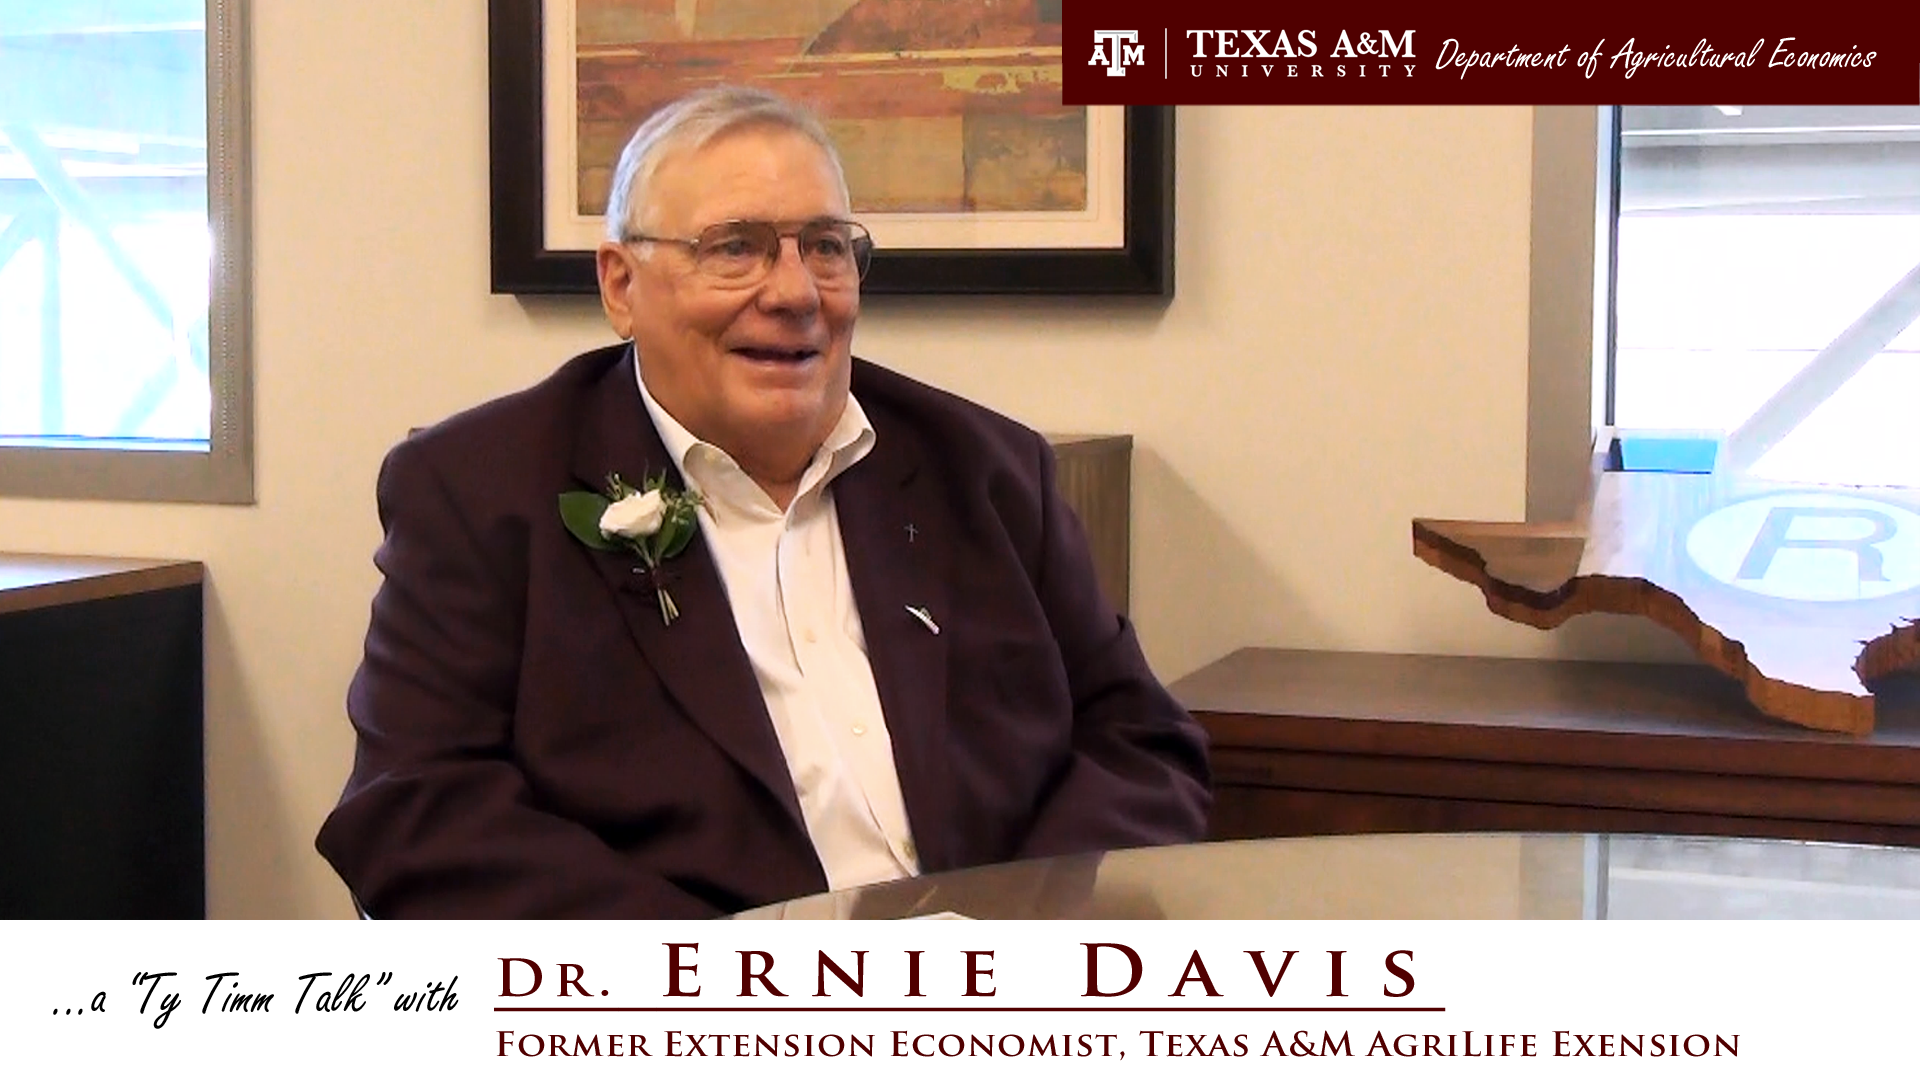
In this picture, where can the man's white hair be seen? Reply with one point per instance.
(689, 123)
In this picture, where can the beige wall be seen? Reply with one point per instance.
(1347, 351)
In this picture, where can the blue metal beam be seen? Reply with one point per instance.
(24, 229)
(124, 197)
(75, 205)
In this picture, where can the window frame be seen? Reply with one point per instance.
(1570, 303)
(223, 473)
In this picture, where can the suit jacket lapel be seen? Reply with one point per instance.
(699, 659)
(898, 543)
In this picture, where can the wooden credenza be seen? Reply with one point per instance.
(1315, 743)
(102, 806)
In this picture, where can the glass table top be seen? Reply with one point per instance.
(1413, 876)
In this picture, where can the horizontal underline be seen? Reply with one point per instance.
(970, 1009)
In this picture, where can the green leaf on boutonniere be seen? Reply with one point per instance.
(580, 511)
(677, 531)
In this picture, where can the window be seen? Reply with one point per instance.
(123, 269)
(1747, 276)
(1767, 286)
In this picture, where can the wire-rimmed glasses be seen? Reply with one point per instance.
(835, 251)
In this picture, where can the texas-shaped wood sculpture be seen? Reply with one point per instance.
(1803, 593)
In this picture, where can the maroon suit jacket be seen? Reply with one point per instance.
(534, 742)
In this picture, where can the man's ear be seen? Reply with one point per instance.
(613, 263)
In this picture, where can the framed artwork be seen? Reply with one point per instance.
(959, 156)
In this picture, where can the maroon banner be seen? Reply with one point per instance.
(1230, 52)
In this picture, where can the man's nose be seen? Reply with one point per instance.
(789, 284)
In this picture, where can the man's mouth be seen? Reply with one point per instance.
(775, 355)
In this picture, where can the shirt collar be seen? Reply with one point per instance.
(850, 440)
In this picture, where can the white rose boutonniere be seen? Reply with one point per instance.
(654, 521)
(635, 517)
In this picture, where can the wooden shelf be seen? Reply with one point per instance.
(1324, 743)
(37, 581)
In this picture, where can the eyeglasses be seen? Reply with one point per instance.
(835, 252)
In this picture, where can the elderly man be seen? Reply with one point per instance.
(840, 629)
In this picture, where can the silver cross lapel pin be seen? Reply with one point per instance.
(925, 617)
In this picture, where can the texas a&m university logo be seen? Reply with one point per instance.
(1116, 49)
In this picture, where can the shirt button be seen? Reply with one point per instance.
(912, 854)
(859, 729)
(812, 638)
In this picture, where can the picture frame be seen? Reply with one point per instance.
(525, 262)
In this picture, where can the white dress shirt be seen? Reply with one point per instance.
(785, 575)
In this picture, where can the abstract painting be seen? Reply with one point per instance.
(959, 152)
(937, 106)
